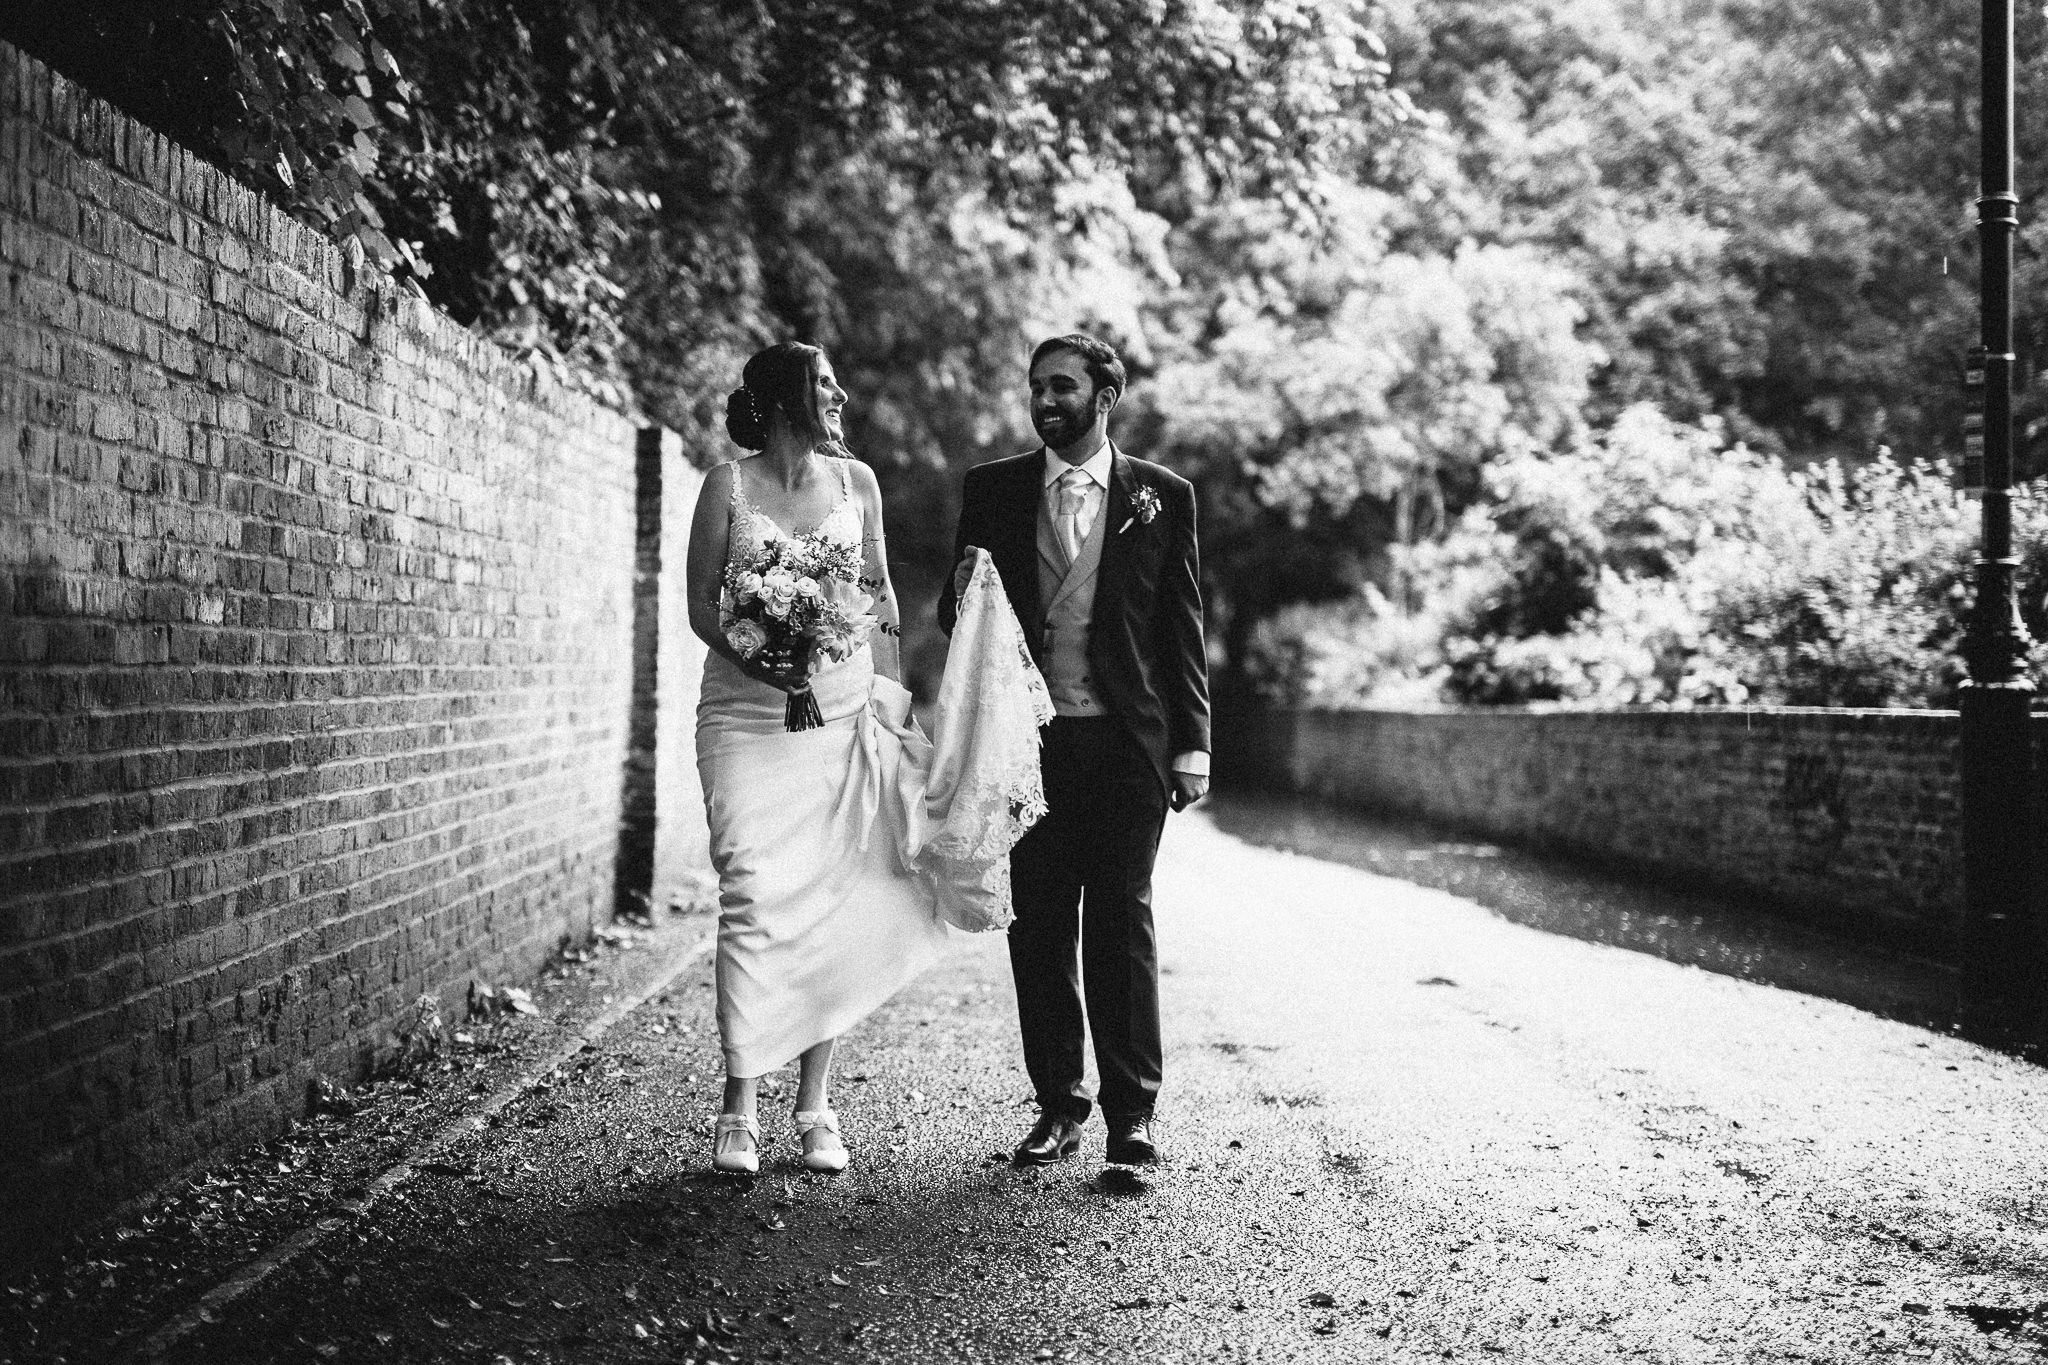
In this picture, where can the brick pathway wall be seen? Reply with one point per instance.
(1842, 817)
(315, 618)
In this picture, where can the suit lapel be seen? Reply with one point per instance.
(1116, 511)
(1020, 531)
(1049, 548)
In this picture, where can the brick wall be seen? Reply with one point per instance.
(315, 657)
(1844, 817)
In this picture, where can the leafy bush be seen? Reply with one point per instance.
(1655, 564)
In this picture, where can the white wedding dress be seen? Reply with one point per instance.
(821, 919)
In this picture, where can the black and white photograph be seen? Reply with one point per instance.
(981, 682)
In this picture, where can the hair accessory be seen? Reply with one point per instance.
(753, 406)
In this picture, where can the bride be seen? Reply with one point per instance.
(819, 922)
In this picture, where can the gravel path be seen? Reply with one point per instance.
(1398, 1127)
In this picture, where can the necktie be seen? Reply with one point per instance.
(1067, 520)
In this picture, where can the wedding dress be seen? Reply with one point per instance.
(844, 852)
(982, 788)
(821, 919)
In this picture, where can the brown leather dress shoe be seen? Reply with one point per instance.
(1051, 1139)
(1130, 1143)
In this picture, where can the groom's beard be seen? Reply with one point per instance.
(1057, 429)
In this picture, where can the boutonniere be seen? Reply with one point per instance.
(1145, 499)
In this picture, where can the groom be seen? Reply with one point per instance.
(1097, 553)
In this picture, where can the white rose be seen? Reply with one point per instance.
(750, 585)
(848, 597)
(777, 607)
(807, 587)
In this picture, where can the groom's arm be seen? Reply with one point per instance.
(1183, 670)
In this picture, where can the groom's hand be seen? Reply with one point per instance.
(963, 572)
(1188, 788)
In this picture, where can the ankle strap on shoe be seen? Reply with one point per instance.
(807, 1119)
(730, 1123)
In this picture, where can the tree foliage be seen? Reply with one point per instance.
(625, 185)
(1441, 302)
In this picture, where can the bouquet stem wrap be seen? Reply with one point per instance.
(801, 711)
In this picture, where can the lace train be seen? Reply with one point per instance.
(984, 789)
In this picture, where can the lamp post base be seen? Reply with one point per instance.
(2005, 959)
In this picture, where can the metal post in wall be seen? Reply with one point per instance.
(633, 876)
(2003, 965)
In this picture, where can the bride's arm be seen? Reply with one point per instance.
(710, 535)
(887, 639)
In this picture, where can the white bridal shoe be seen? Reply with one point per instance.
(726, 1152)
(818, 1131)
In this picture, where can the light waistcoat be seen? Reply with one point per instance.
(1068, 590)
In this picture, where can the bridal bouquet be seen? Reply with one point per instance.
(801, 597)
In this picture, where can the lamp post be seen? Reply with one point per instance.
(2002, 952)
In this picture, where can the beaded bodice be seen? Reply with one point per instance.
(753, 528)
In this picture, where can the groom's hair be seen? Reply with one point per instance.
(1105, 366)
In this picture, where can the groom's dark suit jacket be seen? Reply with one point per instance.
(1145, 641)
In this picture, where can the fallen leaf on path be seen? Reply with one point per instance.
(839, 1279)
(1320, 1300)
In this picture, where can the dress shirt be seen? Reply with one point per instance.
(1094, 497)
(1094, 490)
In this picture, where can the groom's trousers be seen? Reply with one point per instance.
(1083, 874)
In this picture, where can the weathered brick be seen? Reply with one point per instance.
(300, 592)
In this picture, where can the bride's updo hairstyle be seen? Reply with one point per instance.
(780, 380)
